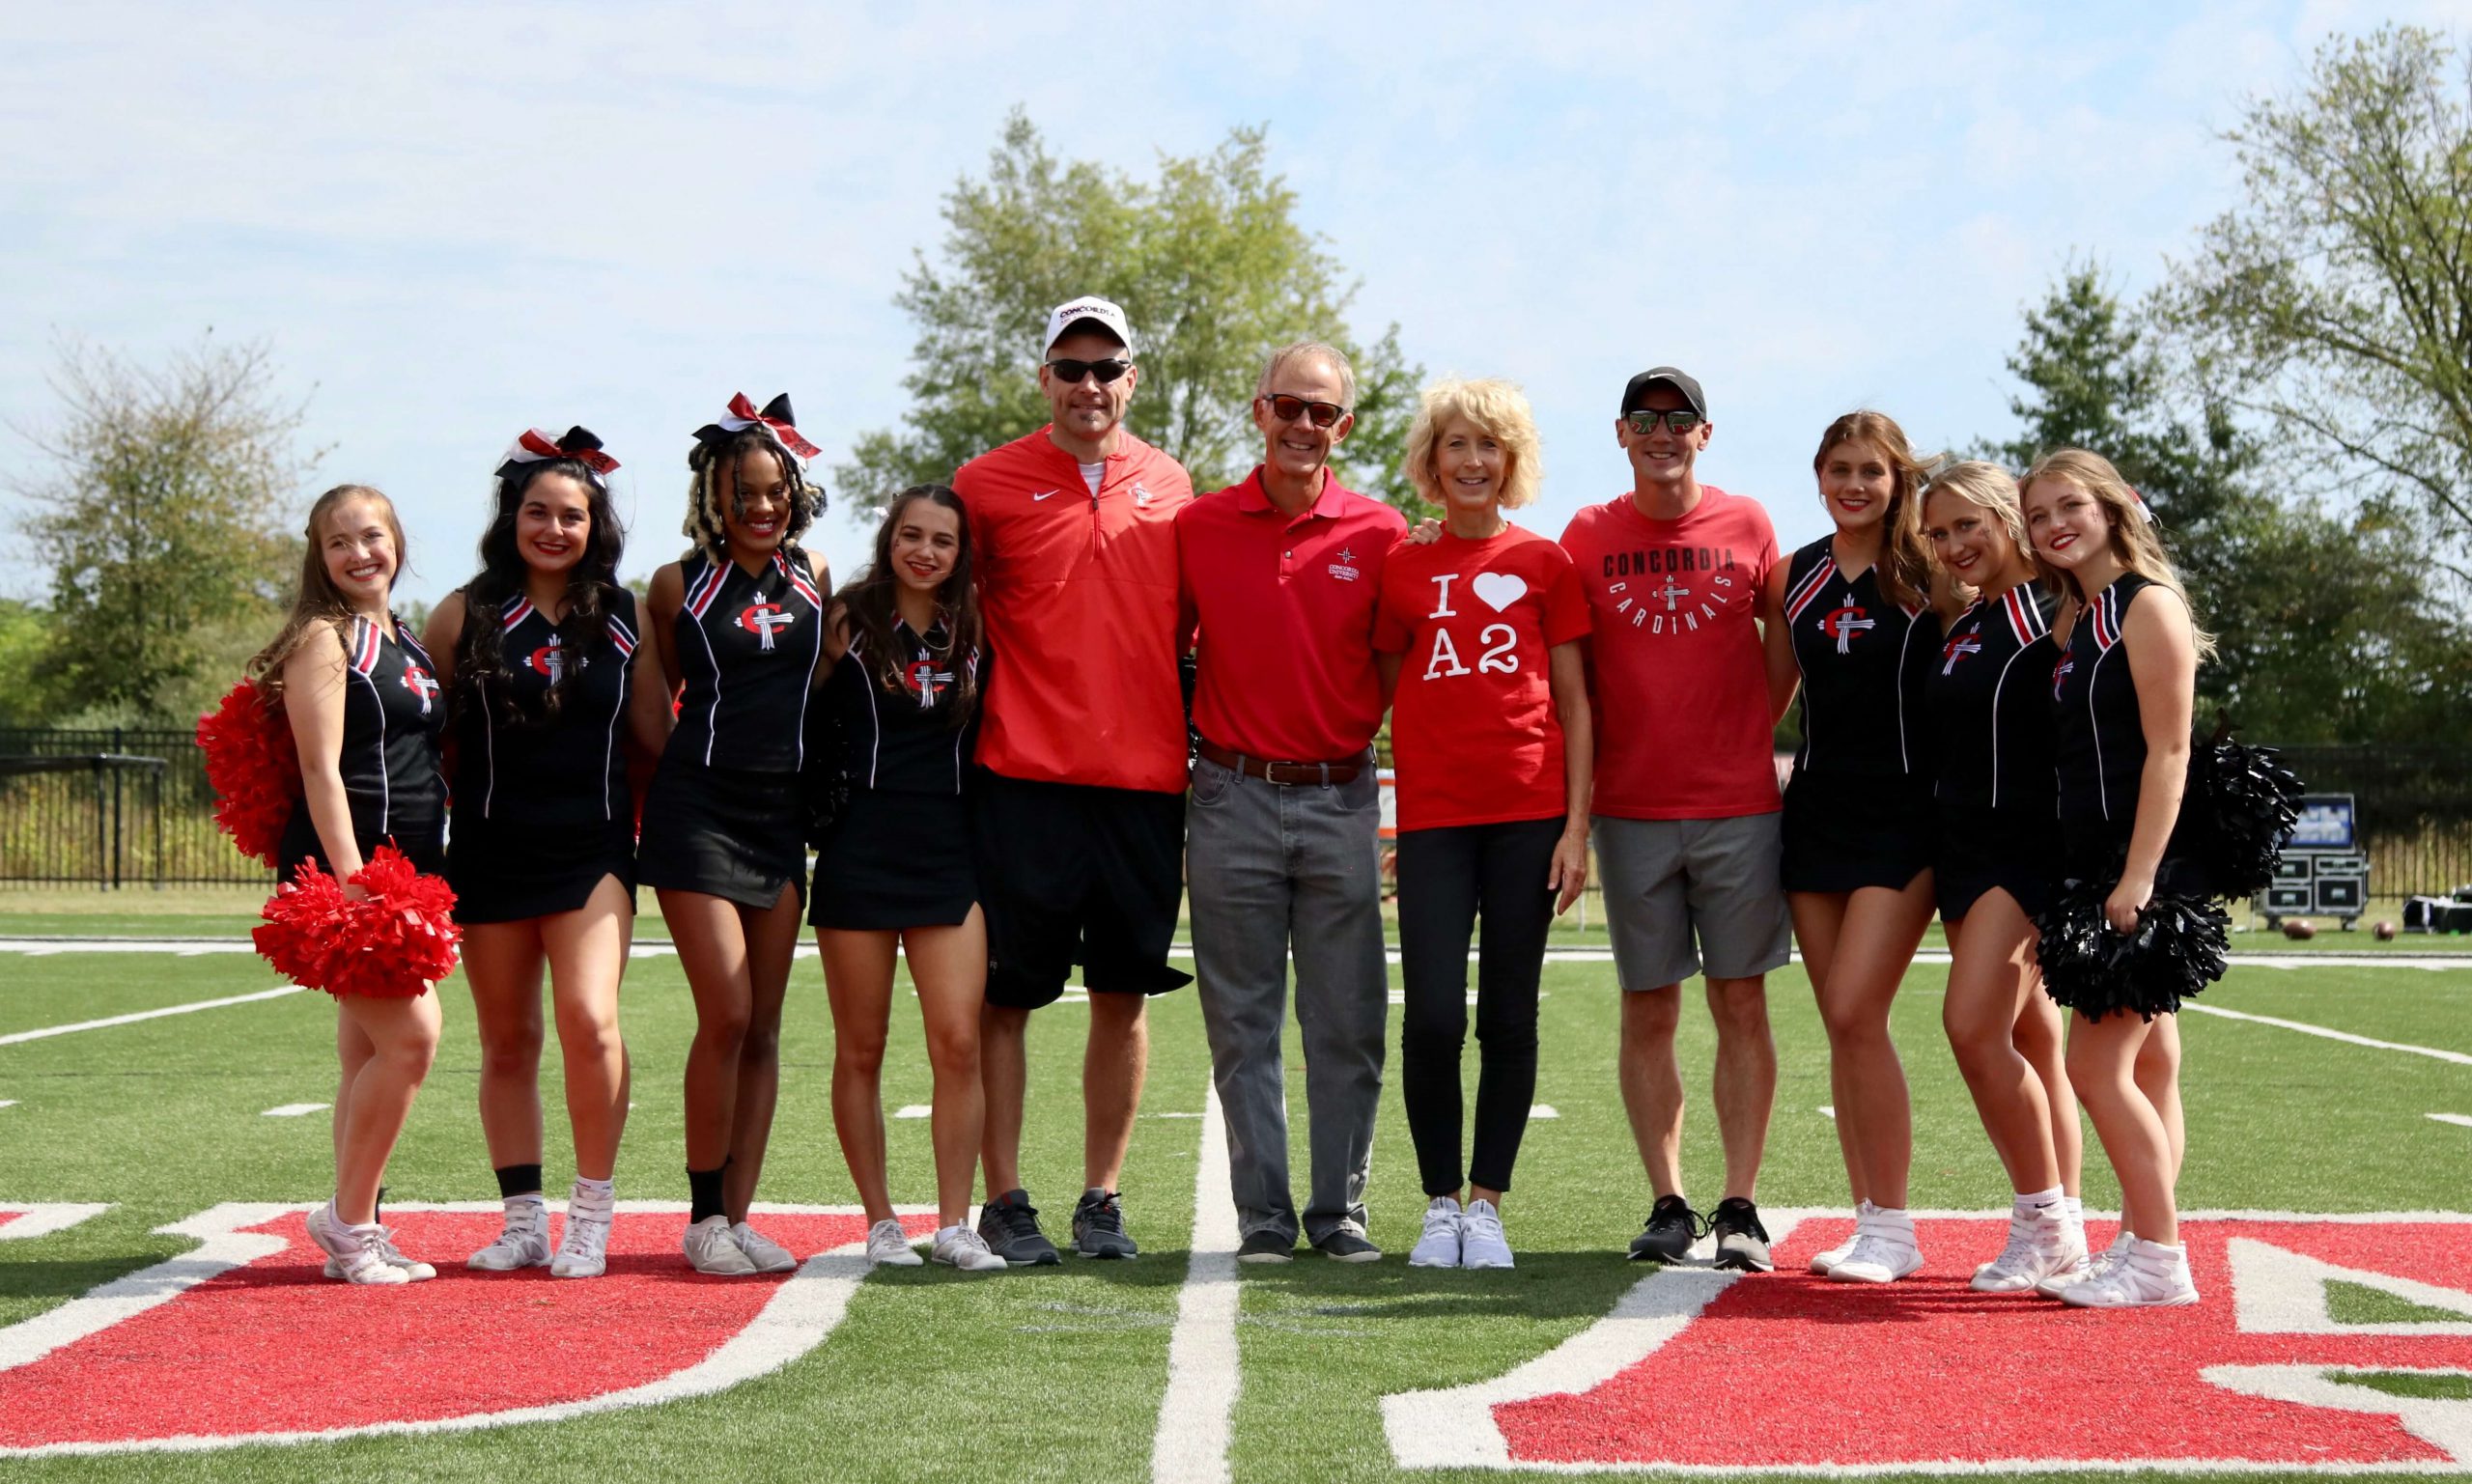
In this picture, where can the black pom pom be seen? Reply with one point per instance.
(2180, 946)
(2240, 807)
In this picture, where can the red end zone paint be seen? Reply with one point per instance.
(1789, 1371)
(256, 1349)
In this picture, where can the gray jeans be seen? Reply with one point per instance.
(1270, 866)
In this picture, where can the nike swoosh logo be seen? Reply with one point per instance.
(1042, 494)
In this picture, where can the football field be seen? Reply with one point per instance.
(161, 1315)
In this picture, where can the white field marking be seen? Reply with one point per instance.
(913, 1110)
(1198, 1412)
(43, 1218)
(1173, 1115)
(15, 1037)
(186, 948)
(295, 1109)
(2279, 1292)
(2443, 1424)
(1826, 1111)
(1455, 1427)
(2345, 1036)
(13, 1103)
(2456, 1119)
(800, 1313)
(1544, 1110)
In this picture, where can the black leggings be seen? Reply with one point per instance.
(1445, 877)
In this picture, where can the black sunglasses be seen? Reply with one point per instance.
(1645, 421)
(1071, 372)
(1287, 409)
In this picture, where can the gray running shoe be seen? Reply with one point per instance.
(1098, 1226)
(1347, 1244)
(1010, 1223)
(1742, 1243)
(1672, 1226)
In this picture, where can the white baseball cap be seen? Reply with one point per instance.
(1101, 312)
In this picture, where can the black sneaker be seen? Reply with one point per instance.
(1742, 1243)
(1010, 1226)
(1098, 1226)
(1672, 1226)
(1267, 1247)
(1347, 1244)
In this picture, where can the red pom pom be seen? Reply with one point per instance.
(391, 945)
(253, 767)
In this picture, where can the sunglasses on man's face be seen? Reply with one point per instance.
(1288, 408)
(1645, 421)
(1071, 372)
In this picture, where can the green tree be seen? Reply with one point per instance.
(2326, 627)
(2336, 298)
(1212, 269)
(163, 521)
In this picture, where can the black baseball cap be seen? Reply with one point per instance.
(1665, 375)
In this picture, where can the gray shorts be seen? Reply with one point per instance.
(1671, 882)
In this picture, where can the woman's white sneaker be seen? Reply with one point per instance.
(1883, 1255)
(2149, 1276)
(1441, 1245)
(1829, 1257)
(1482, 1243)
(2101, 1263)
(767, 1255)
(524, 1241)
(963, 1248)
(710, 1249)
(584, 1248)
(2041, 1243)
(888, 1247)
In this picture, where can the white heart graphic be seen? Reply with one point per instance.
(1500, 589)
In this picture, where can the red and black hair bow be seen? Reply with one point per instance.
(537, 445)
(775, 420)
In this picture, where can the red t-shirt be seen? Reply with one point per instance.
(1079, 596)
(1676, 669)
(1473, 729)
(1285, 612)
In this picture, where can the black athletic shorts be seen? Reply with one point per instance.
(1076, 874)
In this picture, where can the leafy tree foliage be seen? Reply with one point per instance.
(1213, 271)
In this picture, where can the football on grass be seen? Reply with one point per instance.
(2297, 931)
(2385, 932)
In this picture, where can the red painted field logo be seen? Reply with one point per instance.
(234, 1342)
(1701, 1371)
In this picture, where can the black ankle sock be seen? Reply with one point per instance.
(518, 1180)
(704, 1195)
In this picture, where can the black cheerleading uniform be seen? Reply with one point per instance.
(900, 854)
(722, 815)
(2099, 751)
(1989, 711)
(542, 810)
(389, 758)
(1858, 809)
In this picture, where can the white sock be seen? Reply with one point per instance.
(596, 1190)
(2076, 1209)
(2039, 1202)
(1896, 1219)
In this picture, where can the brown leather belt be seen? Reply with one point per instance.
(1285, 774)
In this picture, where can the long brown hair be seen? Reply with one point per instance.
(870, 606)
(480, 650)
(318, 601)
(1904, 562)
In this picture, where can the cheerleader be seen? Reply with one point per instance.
(2124, 689)
(1993, 863)
(893, 872)
(551, 697)
(362, 701)
(1857, 825)
(739, 621)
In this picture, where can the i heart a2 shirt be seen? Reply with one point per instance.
(1472, 731)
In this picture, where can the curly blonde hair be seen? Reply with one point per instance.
(1497, 407)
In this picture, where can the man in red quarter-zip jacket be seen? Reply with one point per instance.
(1081, 753)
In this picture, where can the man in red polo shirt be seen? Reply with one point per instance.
(1686, 804)
(1079, 800)
(1281, 575)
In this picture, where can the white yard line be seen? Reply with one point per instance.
(1544, 1110)
(2456, 1119)
(2346, 1037)
(1198, 1411)
(295, 1109)
(47, 1032)
(1827, 1112)
(913, 1110)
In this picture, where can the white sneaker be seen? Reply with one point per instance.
(767, 1255)
(1883, 1255)
(1482, 1243)
(1441, 1245)
(524, 1241)
(2041, 1243)
(888, 1247)
(711, 1249)
(2149, 1276)
(963, 1248)
(584, 1250)
(355, 1256)
(1824, 1260)
(2102, 1262)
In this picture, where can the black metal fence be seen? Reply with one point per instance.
(122, 818)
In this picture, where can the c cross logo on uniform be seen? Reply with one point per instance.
(764, 619)
(422, 683)
(549, 660)
(1843, 623)
(926, 681)
(1957, 649)
(2059, 674)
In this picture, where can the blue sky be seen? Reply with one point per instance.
(456, 221)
